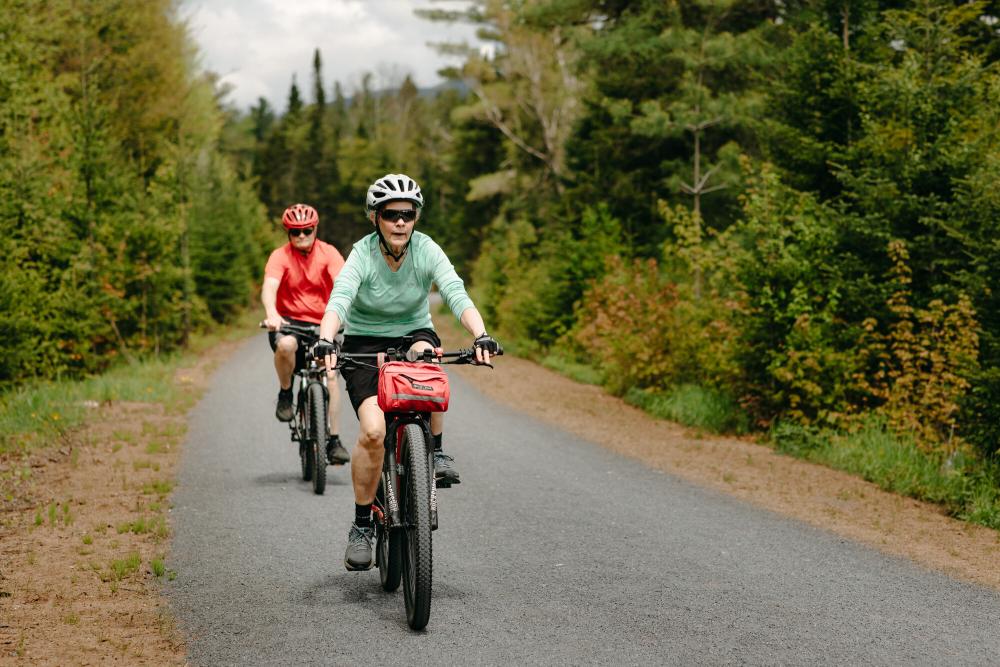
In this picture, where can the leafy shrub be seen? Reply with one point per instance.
(648, 324)
(799, 356)
(534, 305)
(924, 361)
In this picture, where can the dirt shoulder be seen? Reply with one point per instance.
(84, 530)
(826, 498)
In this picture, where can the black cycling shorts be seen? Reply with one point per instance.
(300, 351)
(362, 381)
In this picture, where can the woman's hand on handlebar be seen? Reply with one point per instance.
(328, 351)
(485, 345)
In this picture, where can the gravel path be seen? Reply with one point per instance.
(552, 551)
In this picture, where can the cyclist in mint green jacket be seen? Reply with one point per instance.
(381, 296)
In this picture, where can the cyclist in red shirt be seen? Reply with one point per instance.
(298, 279)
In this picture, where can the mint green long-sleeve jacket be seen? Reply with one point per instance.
(372, 300)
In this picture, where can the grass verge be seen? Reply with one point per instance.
(40, 413)
(965, 485)
(693, 406)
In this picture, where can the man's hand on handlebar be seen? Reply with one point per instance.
(274, 323)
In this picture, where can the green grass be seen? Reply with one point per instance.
(966, 486)
(160, 487)
(157, 567)
(156, 526)
(119, 569)
(693, 406)
(36, 414)
(573, 370)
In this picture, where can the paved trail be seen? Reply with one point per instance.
(552, 551)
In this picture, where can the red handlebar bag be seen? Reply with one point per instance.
(412, 387)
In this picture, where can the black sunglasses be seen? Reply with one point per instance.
(302, 232)
(392, 215)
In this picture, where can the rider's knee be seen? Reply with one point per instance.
(287, 345)
(372, 438)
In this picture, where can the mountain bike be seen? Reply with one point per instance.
(309, 426)
(405, 511)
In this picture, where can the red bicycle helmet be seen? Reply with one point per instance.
(299, 216)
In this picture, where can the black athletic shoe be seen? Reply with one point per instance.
(359, 548)
(336, 453)
(284, 412)
(445, 473)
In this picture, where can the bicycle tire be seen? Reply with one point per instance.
(416, 511)
(302, 428)
(388, 548)
(317, 436)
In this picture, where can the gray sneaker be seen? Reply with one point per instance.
(445, 473)
(336, 453)
(359, 548)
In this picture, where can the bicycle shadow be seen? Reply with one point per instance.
(362, 589)
(286, 478)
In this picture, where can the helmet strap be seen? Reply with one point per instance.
(385, 246)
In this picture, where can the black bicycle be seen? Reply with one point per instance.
(309, 427)
(405, 508)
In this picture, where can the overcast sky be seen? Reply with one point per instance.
(256, 45)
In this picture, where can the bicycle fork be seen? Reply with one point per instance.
(392, 468)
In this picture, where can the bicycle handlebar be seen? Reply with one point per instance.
(309, 331)
(461, 356)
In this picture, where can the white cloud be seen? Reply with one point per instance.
(257, 45)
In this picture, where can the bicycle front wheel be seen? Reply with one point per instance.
(317, 436)
(302, 432)
(416, 511)
(388, 543)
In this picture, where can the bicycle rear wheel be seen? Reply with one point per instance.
(388, 546)
(416, 512)
(316, 447)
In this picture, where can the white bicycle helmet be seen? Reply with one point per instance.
(393, 187)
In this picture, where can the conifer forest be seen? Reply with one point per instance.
(788, 209)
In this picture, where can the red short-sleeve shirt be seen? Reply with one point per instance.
(305, 280)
